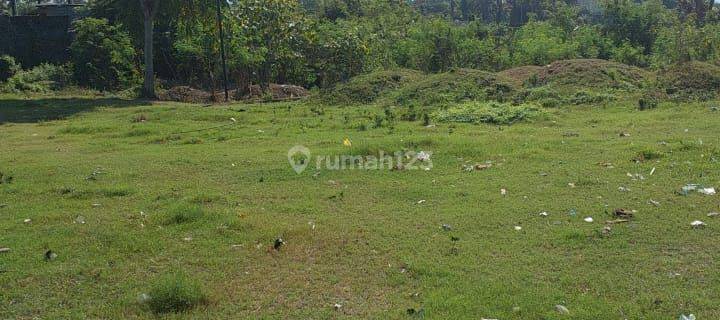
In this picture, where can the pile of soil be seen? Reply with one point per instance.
(185, 94)
(690, 81)
(520, 75)
(279, 92)
(369, 87)
(455, 86)
(594, 73)
(191, 95)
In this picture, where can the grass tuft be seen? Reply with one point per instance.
(184, 213)
(175, 293)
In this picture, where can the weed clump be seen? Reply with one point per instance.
(175, 293)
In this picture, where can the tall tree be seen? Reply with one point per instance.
(149, 8)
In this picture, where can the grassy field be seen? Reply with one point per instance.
(127, 193)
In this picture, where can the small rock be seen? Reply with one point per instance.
(27, 221)
(279, 242)
(50, 255)
(713, 214)
(561, 309)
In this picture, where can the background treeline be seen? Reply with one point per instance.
(319, 43)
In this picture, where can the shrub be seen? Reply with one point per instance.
(478, 112)
(691, 81)
(175, 293)
(8, 67)
(367, 88)
(586, 97)
(102, 55)
(42, 78)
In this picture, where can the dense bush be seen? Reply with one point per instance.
(8, 67)
(40, 79)
(102, 55)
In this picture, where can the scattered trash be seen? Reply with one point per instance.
(312, 225)
(446, 227)
(697, 224)
(543, 214)
(347, 142)
(233, 120)
(503, 192)
(572, 212)
(652, 171)
(707, 191)
(616, 221)
(4, 250)
(27, 221)
(686, 189)
(713, 214)
(337, 306)
(518, 228)
(561, 309)
(80, 220)
(50, 255)
(187, 239)
(589, 219)
(688, 317)
(423, 156)
(95, 205)
(608, 165)
(279, 242)
(623, 213)
(623, 189)
(571, 185)
(606, 230)
(421, 201)
(653, 202)
(636, 176)
(143, 298)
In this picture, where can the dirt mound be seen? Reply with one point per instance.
(277, 92)
(519, 75)
(593, 73)
(455, 86)
(185, 94)
(369, 87)
(690, 81)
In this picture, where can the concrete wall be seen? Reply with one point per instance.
(36, 39)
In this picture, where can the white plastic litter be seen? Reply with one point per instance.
(589, 219)
(697, 224)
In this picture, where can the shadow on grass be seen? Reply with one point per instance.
(46, 109)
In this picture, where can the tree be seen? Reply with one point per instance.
(102, 55)
(149, 8)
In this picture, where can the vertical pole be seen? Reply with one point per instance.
(222, 50)
(13, 7)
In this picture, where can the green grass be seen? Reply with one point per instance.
(356, 238)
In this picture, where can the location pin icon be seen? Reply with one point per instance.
(299, 158)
